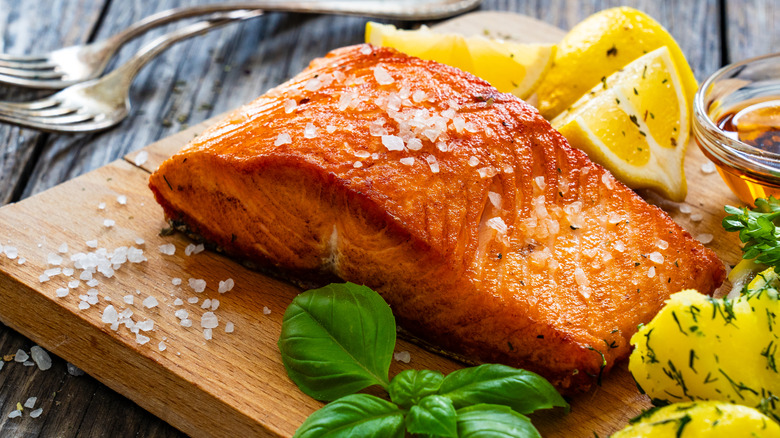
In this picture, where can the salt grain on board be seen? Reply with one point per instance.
(704, 238)
(30, 403)
(108, 223)
(92, 243)
(178, 302)
(266, 311)
(121, 200)
(161, 346)
(176, 281)
(229, 327)
(62, 292)
(209, 320)
(102, 206)
(186, 322)
(198, 285)
(226, 286)
(206, 304)
(73, 370)
(193, 300)
(403, 356)
(141, 339)
(140, 158)
(21, 356)
(150, 302)
(168, 249)
(128, 299)
(11, 252)
(36, 413)
(15, 414)
(207, 334)
(708, 168)
(214, 304)
(63, 248)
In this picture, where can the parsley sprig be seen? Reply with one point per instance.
(758, 230)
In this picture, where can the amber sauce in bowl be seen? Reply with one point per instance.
(736, 123)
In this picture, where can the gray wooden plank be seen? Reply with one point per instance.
(752, 28)
(190, 83)
(34, 27)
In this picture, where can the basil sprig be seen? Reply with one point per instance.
(339, 339)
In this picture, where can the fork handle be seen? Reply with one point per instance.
(398, 10)
(123, 76)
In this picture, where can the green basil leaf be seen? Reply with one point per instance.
(409, 386)
(494, 421)
(434, 415)
(337, 340)
(521, 390)
(357, 415)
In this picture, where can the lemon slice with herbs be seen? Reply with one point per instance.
(636, 124)
(510, 67)
(599, 46)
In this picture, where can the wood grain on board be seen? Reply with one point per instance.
(234, 383)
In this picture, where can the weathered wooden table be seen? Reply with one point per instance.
(211, 74)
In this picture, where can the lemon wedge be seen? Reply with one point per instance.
(510, 67)
(599, 46)
(636, 124)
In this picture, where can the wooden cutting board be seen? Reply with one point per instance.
(235, 384)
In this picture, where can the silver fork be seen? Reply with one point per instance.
(101, 103)
(71, 65)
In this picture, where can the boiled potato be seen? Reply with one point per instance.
(702, 348)
(710, 419)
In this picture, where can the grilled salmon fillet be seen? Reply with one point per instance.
(482, 228)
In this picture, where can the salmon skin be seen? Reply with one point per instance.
(482, 228)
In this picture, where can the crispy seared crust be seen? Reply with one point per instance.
(569, 280)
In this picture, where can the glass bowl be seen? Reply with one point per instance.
(741, 90)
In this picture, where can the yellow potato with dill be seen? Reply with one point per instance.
(703, 348)
(709, 419)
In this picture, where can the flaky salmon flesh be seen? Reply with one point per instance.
(483, 229)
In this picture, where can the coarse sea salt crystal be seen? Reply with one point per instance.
(414, 144)
(497, 224)
(178, 302)
(662, 244)
(708, 168)
(229, 327)
(83, 305)
(139, 241)
(704, 238)
(432, 163)
(168, 249)
(85, 276)
(193, 249)
(207, 334)
(382, 76)
(15, 414)
(193, 300)
(121, 200)
(393, 143)
(365, 49)
(697, 217)
(21, 356)
(62, 292)
(135, 255)
(357, 164)
(330, 129)
(186, 322)
(473, 161)
(102, 206)
(41, 358)
(92, 243)
(402, 356)
(150, 302)
(161, 346)
(495, 199)
(146, 325)
(43, 278)
(407, 161)
(28, 363)
(226, 286)
(140, 158)
(30, 403)
(313, 84)
(209, 320)
(11, 252)
(206, 304)
(176, 281)
(685, 208)
(310, 131)
(182, 314)
(63, 248)
(141, 339)
(110, 315)
(22, 260)
(283, 138)
(651, 272)
(73, 284)
(128, 299)
(36, 413)
(92, 282)
(290, 105)
(214, 304)
(73, 370)
(108, 223)
(266, 310)
(656, 257)
(198, 285)
(619, 246)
